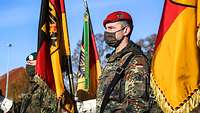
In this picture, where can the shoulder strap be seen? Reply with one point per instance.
(118, 75)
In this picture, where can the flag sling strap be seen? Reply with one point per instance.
(118, 75)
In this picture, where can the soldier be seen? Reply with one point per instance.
(39, 98)
(124, 83)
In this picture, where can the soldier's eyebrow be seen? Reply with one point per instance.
(110, 27)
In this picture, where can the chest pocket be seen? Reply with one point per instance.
(118, 93)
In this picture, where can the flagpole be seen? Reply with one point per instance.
(85, 4)
(86, 8)
(7, 76)
(69, 74)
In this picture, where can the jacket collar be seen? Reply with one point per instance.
(131, 47)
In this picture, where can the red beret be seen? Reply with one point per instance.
(117, 16)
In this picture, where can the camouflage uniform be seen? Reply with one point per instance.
(153, 105)
(39, 99)
(130, 95)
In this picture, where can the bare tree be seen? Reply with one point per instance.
(147, 44)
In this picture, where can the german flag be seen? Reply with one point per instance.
(54, 57)
(176, 64)
(89, 64)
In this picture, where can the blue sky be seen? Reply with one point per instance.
(19, 23)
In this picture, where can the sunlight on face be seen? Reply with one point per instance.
(112, 27)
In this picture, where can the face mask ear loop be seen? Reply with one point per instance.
(120, 29)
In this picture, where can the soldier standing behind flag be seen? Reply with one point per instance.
(124, 83)
(39, 98)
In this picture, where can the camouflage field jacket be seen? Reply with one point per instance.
(130, 95)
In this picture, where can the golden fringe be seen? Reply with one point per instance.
(187, 105)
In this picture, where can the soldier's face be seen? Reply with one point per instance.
(30, 67)
(116, 28)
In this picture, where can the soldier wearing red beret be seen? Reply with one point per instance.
(124, 83)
